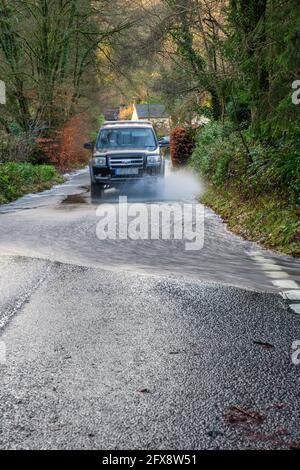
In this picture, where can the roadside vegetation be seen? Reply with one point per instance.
(182, 144)
(50, 54)
(17, 179)
(256, 193)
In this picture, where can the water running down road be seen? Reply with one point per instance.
(60, 225)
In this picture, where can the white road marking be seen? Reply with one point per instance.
(260, 259)
(285, 284)
(277, 275)
(295, 307)
(291, 294)
(280, 279)
(271, 267)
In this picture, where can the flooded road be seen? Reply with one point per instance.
(60, 225)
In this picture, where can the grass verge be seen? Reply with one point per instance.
(265, 219)
(17, 179)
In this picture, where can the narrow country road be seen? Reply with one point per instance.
(142, 344)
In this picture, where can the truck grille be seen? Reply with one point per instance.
(119, 161)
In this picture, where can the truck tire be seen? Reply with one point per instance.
(96, 191)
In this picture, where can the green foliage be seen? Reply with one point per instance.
(268, 220)
(218, 153)
(17, 179)
(49, 53)
(263, 47)
(100, 122)
(277, 168)
(221, 156)
(16, 146)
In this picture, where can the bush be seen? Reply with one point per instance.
(64, 148)
(257, 192)
(181, 146)
(17, 179)
(220, 155)
(16, 146)
(277, 167)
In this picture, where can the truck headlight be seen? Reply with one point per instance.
(153, 159)
(99, 161)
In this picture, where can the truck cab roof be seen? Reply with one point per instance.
(114, 124)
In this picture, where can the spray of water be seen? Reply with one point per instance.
(178, 185)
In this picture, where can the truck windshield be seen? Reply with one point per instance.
(133, 138)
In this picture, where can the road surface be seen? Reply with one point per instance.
(119, 344)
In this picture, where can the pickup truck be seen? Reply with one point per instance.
(124, 152)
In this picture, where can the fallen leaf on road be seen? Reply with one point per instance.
(274, 438)
(240, 415)
(264, 345)
(277, 406)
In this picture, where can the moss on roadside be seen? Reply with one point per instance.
(265, 219)
(17, 179)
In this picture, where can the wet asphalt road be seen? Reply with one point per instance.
(136, 344)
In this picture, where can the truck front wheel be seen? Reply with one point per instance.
(96, 191)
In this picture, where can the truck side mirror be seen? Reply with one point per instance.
(88, 145)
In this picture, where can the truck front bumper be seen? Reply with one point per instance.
(108, 175)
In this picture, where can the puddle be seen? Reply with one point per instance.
(74, 199)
